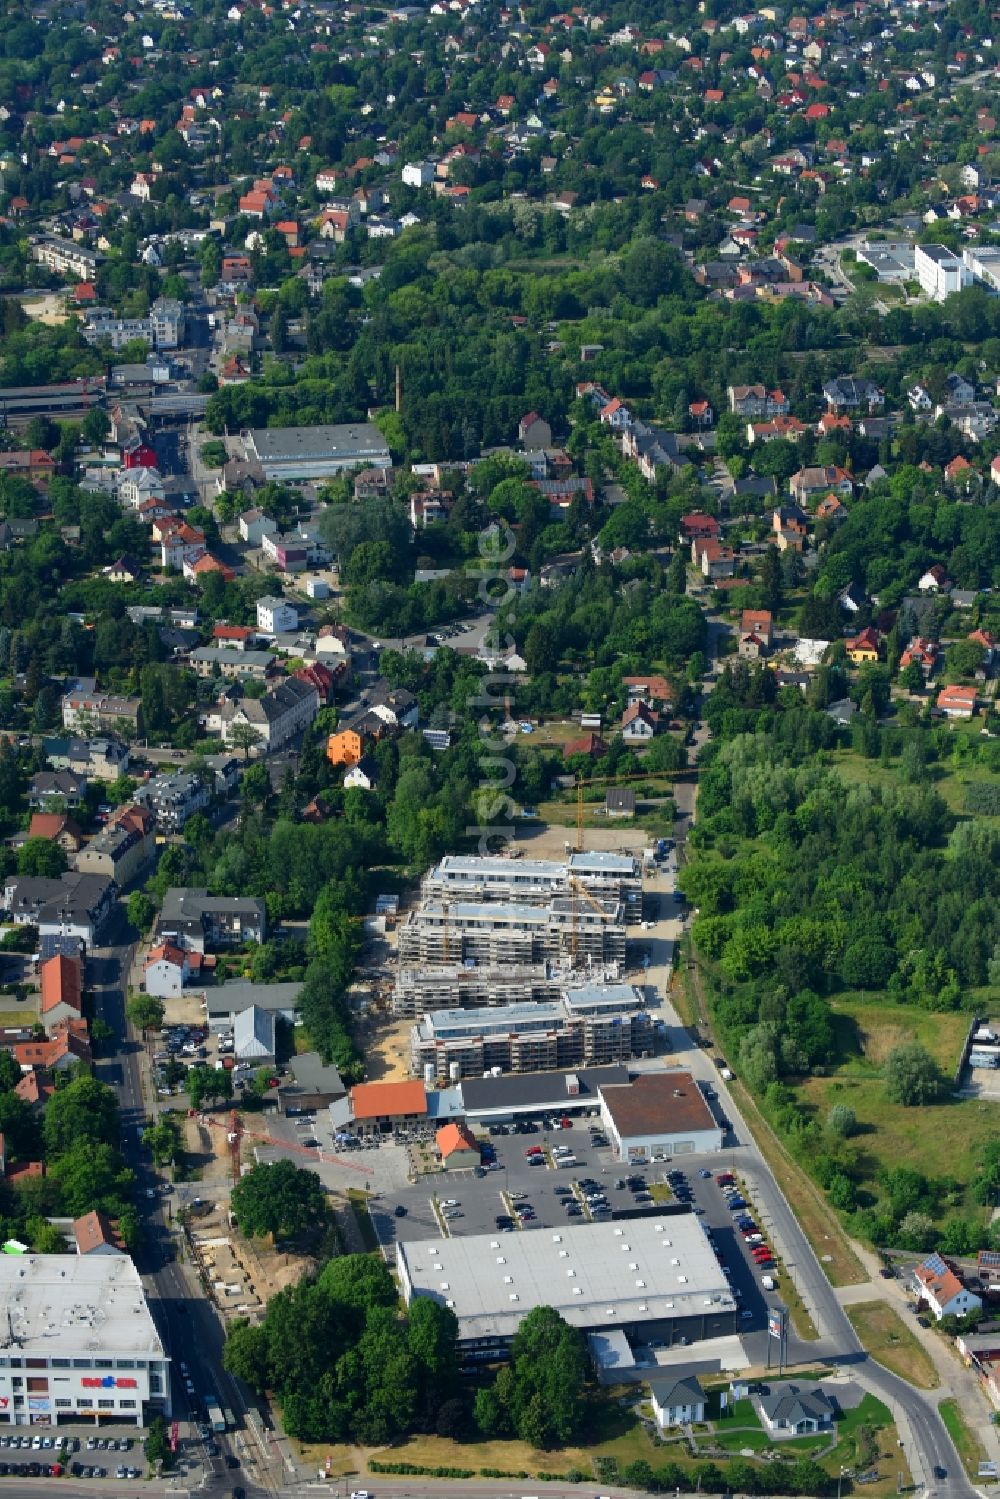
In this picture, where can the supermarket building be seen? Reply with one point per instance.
(77, 1342)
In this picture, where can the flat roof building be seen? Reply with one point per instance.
(80, 1324)
(471, 878)
(287, 453)
(593, 1024)
(659, 1115)
(489, 1100)
(430, 986)
(652, 1278)
(513, 932)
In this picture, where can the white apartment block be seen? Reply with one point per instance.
(77, 1342)
(940, 272)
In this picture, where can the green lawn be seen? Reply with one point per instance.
(948, 778)
(970, 1449)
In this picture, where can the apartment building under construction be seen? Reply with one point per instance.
(609, 876)
(437, 986)
(585, 1026)
(567, 929)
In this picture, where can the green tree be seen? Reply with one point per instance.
(208, 1085)
(243, 736)
(141, 911)
(280, 1199)
(85, 1110)
(841, 1121)
(912, 1077)
(146, 1012)
(42, 858)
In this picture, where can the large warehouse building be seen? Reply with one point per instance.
(658, 1115)
(652, 1279)
(301, 453)
(77, 1341)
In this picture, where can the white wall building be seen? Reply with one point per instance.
(659, 1115)
(275, 617)
(77, 1341)
(940, 271)
(418, 173)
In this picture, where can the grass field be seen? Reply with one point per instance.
(817, 1221)
(948, 779)
(867, 1030)
(970, 1449)
(359, 1207)
(887, 1338)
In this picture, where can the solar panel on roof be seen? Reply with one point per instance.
(935, 1264)
(990, 1258)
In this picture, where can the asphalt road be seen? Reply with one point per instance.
(189, 1327)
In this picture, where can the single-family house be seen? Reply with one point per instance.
(533, 432)
(934, 579)
(640, 724)
(957, 702)
(795, 1409)
(678, 1401)
(937, 1283)
(863, 647)
(61, 994)
(168, 968)
(807, 482)
(56, 827)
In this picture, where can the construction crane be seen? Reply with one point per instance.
(660, 775)
(236, 1132)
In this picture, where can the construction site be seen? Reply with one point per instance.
(239, 1275)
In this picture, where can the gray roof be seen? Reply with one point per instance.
(595, 1274)
(183, 904)
(355, 438)
(682, 1390)
(253, 1034)
(313, 1075)
(239, 995)
(73, 896)
(225, 657)
(538, 1090)
(793, 1403)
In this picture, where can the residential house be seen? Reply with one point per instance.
(289, 553)
(713, 559)
(234, 665)
(61, 996)
(619, 801)
(102, 759)
(591, 745)
(362, 775)
(288, 708)
(533, 432)
(96, 1233)
(920, 652)
(63, 789)
(87, 707)
(276, 617)
(698, 525)
(934, 579)
(957, 702)
(677, 1401)
(756, 402)
(849, 393)
(937, 1283)
(650, 689)
(809, 482)
(345, 747)
(123, 849)
(640, 724)
(788, 428)
(200, 923)
(795, 1409)
(334, 641)
(74, 905)
(255, 525)
(168, 968)
(234, 637)
(758, 621)
(57, 828)
(863, 646)
(615, 415)
(831, 510)
(66, 1048)
(174, 797)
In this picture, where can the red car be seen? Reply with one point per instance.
(760, 1252)
(533, 1150)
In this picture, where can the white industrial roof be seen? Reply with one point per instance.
(59, 1304)
(594, 1274)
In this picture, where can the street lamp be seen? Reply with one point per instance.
(840, 1480)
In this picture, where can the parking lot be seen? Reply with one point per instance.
(547, 1195)
(35, 1454)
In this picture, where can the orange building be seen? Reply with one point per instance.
(344, 748)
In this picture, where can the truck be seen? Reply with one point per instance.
(769, 1283)
(213, 1414)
